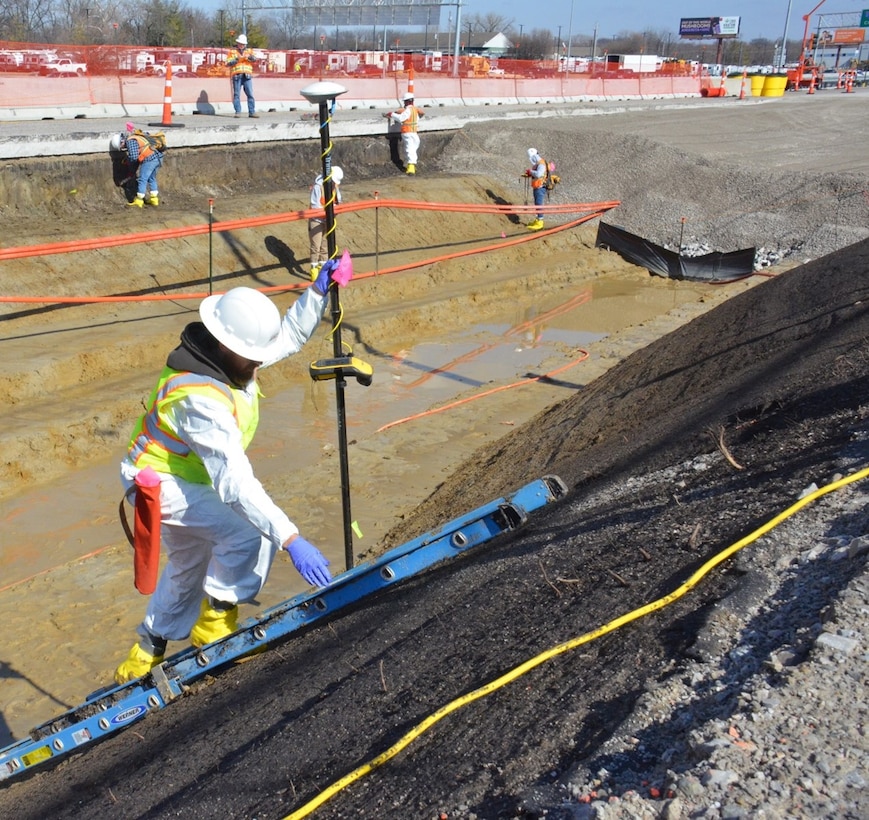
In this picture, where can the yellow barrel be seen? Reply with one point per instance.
(757, 81)
(774, 85)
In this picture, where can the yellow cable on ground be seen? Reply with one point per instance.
(573, 643)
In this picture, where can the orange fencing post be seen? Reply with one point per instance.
(167, 101)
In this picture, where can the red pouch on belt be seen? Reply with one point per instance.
(146, 531)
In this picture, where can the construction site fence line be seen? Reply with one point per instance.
(100, 242)
(302, 285)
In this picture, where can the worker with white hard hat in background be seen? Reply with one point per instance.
(408, 118)
(220, 529)
(317, 224)
(537, 173)
(240, 61)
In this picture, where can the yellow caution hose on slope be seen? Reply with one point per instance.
(573, 643)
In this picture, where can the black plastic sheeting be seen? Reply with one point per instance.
(711, 267)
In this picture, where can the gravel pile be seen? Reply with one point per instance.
(793, 217)
(768, 716)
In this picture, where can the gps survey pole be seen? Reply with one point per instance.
(324, 94)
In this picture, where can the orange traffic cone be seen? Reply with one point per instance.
(167, 101)
(742, 86)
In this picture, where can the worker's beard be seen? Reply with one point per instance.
(240, 371)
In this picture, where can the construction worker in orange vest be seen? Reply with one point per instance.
(143, 157)
(408, 117)
(537, 173)
(240, 61)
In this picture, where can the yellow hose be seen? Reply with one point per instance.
(573, 643)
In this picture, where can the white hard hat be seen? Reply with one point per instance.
(337, 174)
(407, 97)
(242, 38)
(116, 142)
(533, 155)
(244, 320)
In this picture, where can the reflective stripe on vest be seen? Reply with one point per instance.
(411, 124)
(145, 149)
(155, 444)
(243, 66)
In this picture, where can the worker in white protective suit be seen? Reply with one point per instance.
(220, 529)
(408, 118)
(319, 241)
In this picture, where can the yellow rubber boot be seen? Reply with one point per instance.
(213, 624)
(139, 662)
(138, 202)
(411, 169)
(154, 200)
(536, 225)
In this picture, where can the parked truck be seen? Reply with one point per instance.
(63, 67)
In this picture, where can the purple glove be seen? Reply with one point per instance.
(324, 277)
(312, 565)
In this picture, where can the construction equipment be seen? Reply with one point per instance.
(805, 74)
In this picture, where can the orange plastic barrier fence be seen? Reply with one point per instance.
(107, 77)
(118, 60)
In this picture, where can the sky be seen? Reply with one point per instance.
(758, 18)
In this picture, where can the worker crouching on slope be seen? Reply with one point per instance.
(220, 529)
(408, 117)
(537, 173)
(146, 161)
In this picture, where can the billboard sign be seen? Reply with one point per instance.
(706, 27)
(848, 36)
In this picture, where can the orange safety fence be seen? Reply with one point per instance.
(108, 80)
(590, 211)
(120, 60)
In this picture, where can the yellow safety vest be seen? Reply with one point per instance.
(155, 444)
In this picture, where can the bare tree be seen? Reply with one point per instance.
(26, 20)
(487, 23)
